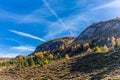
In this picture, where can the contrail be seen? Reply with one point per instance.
(27, 35)
(53, 12)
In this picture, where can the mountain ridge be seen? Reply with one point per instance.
(97, 34)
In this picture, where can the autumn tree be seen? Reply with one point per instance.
(106, 49)
(89, 50)
(67, 57)
(86, 45)
(117, 43)
(46, 61)
(39, 55)
(113, 41)
(62, 47)
(98, 49)
(51, 56)
(31, 56)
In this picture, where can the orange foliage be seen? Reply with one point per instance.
(20, 57)
(89, 50)
(113, 41)
(106, 49)
(51, 56)
(31, 56)
(39, 54)
(86, 44)
(67, 57)
(62, 47)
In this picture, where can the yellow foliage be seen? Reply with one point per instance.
(98, 49)
(113, 41)
(44, 52)
(39, 54)
(62, 47)
(31, 56)
(67, 57)
(46, 61)
(78, 45)
(106, 49)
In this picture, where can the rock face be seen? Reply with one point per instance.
(54, 45)
(100, 33)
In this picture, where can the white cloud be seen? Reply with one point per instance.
(5, 15)
(27, 35)
(24, 48)
(8, 55)
(112, 4)
(33, 17)
(13, 51)
(36, 16)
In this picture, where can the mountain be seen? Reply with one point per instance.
(97, 34)
(100, 33)
(54, 46)
(93, 55)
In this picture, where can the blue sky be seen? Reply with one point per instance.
(24, 24)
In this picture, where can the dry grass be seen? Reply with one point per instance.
(88, 67)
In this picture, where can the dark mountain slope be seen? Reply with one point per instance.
(54, 45)
(100, 33)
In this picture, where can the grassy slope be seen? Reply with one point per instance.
(91, 66)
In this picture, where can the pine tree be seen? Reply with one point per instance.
(31, 62)
(38, 61)
(26, 63)
(19, 64)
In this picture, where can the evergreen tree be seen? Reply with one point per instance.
(19, 64)
(26, 63)
(31, 62)
(38, 61)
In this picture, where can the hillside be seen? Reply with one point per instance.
(54, 46)
(93, 55)
(100, 33)
(97, 34)
(82, 67)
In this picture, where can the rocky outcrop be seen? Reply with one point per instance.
(100, 33)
